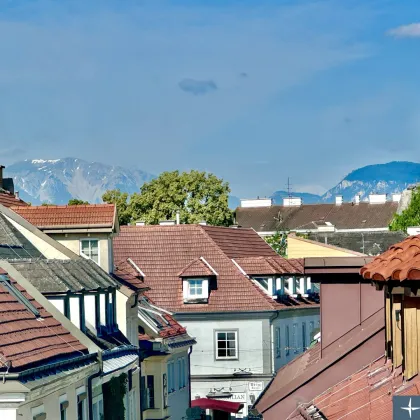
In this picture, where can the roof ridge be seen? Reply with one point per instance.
(247, 279)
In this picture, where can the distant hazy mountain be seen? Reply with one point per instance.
(56, 181)
(387, 178)
(307, 198)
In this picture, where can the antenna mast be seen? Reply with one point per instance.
(289, 188)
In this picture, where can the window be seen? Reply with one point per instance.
(89, 248)
(278, 348)
(38, 413)
(226, 345)
(81, 403)
(195, 288)
(304, 345)
(63, 407)
(150, 391)
(263, 282)
(165, 390)
(287, 340)
(295, 338)
(171, 377)
(98, 407)
(311, 330)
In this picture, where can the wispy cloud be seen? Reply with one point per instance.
(197, 87)
(406, 31)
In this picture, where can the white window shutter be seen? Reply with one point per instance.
(185, 289)
(205, 289)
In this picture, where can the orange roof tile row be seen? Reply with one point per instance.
(366, 394)
(26, 340)
(400, 262)
(162, 252)
(78, 215)
(270, 265)
(8, 199)
(196, 268)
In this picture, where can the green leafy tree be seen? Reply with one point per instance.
(410, 216)
(120, 199)
(196, 195)
(76, 202)
(278, 242)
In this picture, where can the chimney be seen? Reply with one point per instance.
(257, 202)
(167, 222)
(396, 198)
(292, 201)
(357, 199)
(338, 200)
(17, 195)
(203, 223)
(177, 218)
(1, 176)
(377, 198)
(140, 223)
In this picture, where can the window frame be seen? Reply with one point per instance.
(287, 340)
(198, 284)
(81, 240)
(215, 338)
(278, 342)
(63, 404)
(304, 336)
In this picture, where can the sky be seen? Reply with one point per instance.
(255, 91)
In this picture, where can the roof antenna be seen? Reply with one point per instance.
(289, 188)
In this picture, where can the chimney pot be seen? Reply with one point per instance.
(357, 199)
(17, 195)
(339, 200)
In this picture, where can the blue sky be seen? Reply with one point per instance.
(254, 91)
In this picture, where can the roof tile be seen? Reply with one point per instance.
(163, 252)
(64, 216)
(26, 340)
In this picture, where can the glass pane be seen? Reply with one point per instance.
(85, 247)
(221, 336)
(231, 353)
(221, 353)
(231, 336)
(222, 344)
(94, 246)
(231, 344)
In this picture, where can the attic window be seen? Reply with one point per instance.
(195, 290)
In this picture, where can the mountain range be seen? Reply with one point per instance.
(388, 178)
(56, 181)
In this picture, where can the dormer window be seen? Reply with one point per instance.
(196, 290)
(196, 277)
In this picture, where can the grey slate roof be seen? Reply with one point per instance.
(57, 276)
(13, 245)
(369, 243)
(309, 216)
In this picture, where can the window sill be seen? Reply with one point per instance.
(226, 359)
(196, 300)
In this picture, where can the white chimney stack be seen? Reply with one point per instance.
(17, 195)
(339, 200)
(357, 199)
(396, 198)
(140, 223)
(292, 201)
(167, 222)
(257, 202)
(177, 218)
(377, 198)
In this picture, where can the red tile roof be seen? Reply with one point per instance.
(366, 394)
(401, 262)
(125, 273)
(162, 252)
(220, 405)
(8, 200)
(270, 265)
(89, 215)
(25, 340)
(197, 268)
